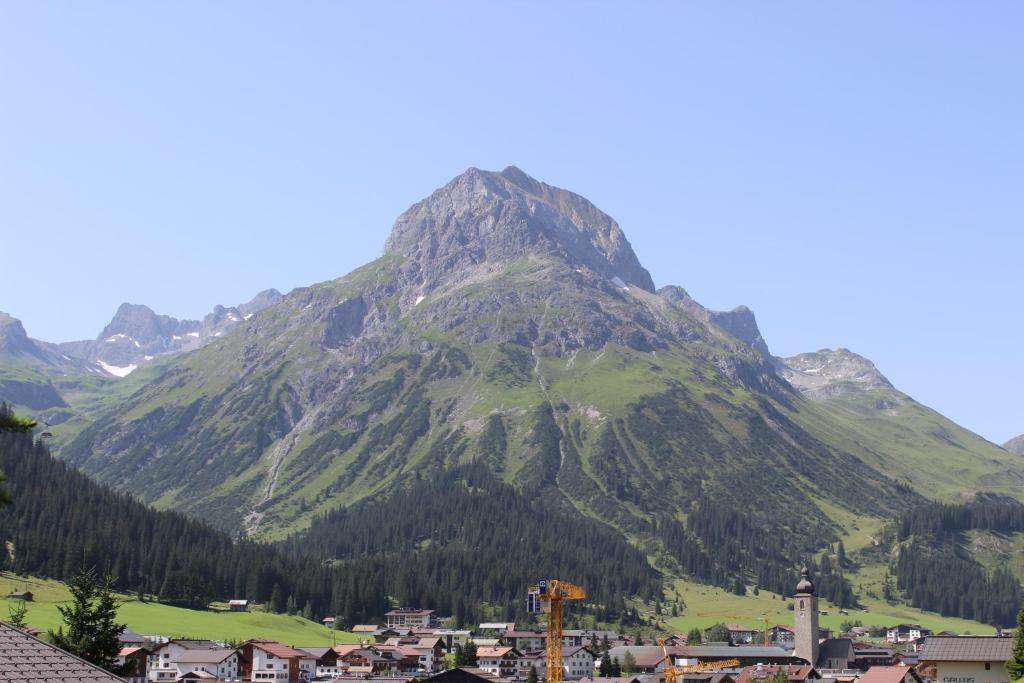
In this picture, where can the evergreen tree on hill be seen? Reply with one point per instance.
(91, 620)
(1015, 665)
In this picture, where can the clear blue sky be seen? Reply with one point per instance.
(854, 172)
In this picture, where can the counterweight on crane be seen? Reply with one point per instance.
(547, 597)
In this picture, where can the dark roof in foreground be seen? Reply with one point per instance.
(26, 658)
(966, 649)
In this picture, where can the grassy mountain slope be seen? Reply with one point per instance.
(509, 322)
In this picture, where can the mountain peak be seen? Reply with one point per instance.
(484, 217)
(819, 374)
(1015, 445)
(13, 338)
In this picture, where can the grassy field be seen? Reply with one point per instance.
(706, 606)
(151, 618)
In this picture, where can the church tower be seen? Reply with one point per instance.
(805, 613)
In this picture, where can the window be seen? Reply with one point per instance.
(988, 666)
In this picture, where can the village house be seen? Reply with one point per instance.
(326, 661)
(525, 641)
(162, 659)
(130, 638)
(451, 637)
(577, 663)
(500, 661)
(904, 633)
(648, 658)
(220, 663)
(20, 595)
(738, 634)
(238, 605)
(966, 659)
(835, 654)
(411, 618)
(133, 661)
(268, 660)
(867, 655)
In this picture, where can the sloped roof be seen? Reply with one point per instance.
(834, 648)
(364, 628)
(886, 674)
(26, 658)
(318, 651)
(278, 650)
(494, 651)
(966, 649)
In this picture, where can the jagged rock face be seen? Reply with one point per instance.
(741, 323)
(137, 334)
(828, 372)
(498, 218)
(1015, 445)
(13, 339)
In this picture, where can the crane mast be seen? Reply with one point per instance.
(548, 596)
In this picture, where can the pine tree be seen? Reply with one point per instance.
(277, 604)
(17, 614)
(531, 677)
(91, 619)
(469, 654)
(628, 663)
(290, 606)
(616, 669)
(694, 637)
(1015, 665)
(605, 668)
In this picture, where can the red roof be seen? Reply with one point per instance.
(278, 650)
(127, 651)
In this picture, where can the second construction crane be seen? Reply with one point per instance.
(673, 672)
(547, 597)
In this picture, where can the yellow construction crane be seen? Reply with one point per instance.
(547, 597)
(673, 672)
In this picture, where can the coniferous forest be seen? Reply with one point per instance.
(447, 550)
(936, 572)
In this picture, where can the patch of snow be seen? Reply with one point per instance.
(232, 317)
(194, 334)
(137, 344)
(249, 315)
(64, 357)
(117, 371)
(217, 334)
(176, 337)
(418, 300)
(114, 338)
(617, 281)
(148, 357)
(812, 371)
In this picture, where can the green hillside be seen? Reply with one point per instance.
(153, 618)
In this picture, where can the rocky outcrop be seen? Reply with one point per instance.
(1015, 445)
(821, 374)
